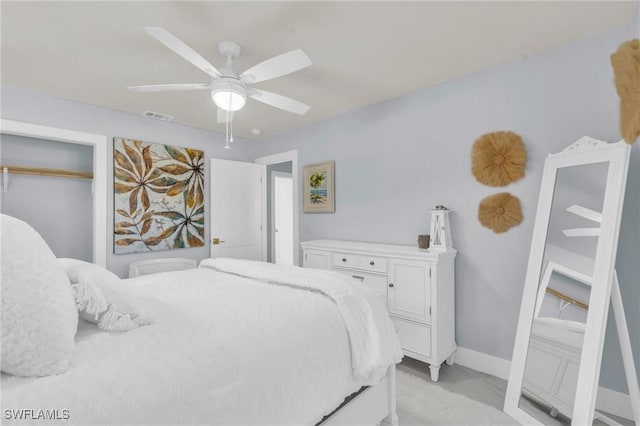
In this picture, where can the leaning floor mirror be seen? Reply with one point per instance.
(570, 281)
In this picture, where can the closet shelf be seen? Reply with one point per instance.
(42, 171)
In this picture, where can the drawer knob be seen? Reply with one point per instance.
(344, 259)
(390, 284)
(372, 263)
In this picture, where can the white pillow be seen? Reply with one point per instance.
(39, 317)
(101, 297)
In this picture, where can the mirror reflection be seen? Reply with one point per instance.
(564, 287)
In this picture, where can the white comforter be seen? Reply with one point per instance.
(367, 325)
(223, 350)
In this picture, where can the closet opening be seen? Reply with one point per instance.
(60, 208)
(67, 205)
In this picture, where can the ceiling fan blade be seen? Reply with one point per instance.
(175, 44)
(222, 116)
(280, 101)
(168, 87)
(277, 66)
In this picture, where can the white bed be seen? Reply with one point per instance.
(223, 350)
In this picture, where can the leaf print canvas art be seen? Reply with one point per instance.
(158, 196)
(319, 188)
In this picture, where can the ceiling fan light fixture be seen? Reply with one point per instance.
(228, 97)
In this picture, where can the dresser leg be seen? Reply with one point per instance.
(451, 359)
(435, 372)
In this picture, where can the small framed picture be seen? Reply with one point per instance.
(319, 188)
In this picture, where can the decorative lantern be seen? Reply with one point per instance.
(440, 229)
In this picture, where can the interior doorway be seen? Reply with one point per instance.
(281, 228)
(287, 163)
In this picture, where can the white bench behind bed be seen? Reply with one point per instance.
(153, 266)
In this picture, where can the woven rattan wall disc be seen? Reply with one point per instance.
(500, 212)
(498, 158)
(626, 70)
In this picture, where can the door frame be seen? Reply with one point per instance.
(274, 175)
(275, 159)
(99, 181)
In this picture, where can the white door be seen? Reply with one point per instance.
(283, 218)
(236, 210)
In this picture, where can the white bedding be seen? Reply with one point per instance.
(365, 321)
(223, 350)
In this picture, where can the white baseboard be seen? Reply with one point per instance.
(608, 400)
(484, 363)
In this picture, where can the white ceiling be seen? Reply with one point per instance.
(362, 52)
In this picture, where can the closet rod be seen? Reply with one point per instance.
(42, 171)
(566, 298)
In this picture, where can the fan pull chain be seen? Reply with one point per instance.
(230, 122)
(227, 126)
(227, 132)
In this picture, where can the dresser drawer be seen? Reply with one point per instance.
(373, 263)
(413, 337)
(345, 260)
(377, 283)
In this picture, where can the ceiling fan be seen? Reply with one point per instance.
(230, 90)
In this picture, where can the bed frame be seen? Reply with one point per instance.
(374, 405)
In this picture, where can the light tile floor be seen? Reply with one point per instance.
(473, 384)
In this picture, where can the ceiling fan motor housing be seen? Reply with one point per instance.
(229, 49)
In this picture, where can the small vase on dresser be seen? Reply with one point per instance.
(416, 285)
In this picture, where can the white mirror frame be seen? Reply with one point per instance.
(585, 151)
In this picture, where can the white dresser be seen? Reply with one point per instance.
(417, 286)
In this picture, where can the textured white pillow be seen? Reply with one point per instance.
(39, 316)
(101, 296)
(103, 277)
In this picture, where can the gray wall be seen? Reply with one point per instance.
(285, 167)
(67, 224)
(398, 159)
(25, 105)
